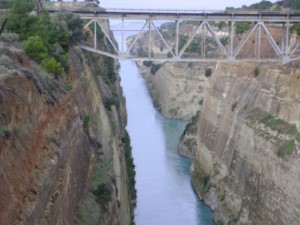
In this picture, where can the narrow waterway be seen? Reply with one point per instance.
(164, 192)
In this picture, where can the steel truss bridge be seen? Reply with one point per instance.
(283, 49)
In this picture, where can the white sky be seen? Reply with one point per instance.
(173, 4)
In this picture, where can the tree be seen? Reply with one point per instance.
(241, 27)
(261, 5)
(3, 25)
(296, 28)
(256, 71)
(103, 194)
(42, 26)
(52, 66)
(295, 4)
(61, 33)
(35, 48)
(18, 19)
(74, 25)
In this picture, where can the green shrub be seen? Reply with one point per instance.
(99, 32)
(83, 218)
(200, 180)
(19, 19)
(86, 121)
(154, 68)
(63, 60)
(74, 25)
(4, 132)
(5, 4)
(280, 125)
(208, 72)
(42, 26)
(2, 97)
(63, 28)
(35, 48)
(287, 148)
(130, 167)
(292, 130)
(233, 106)
(110, 75)
(256, 72)
(69, 86)
(42, 23)
(222, 197)
(182, 40)
(263, 5)
(241, 27)
(219, 222)
(206, 180)
(173, 111)
(296, 28)
(52, 66)
(108, 102)
(103, 194)
(221, 25)
(147, 63)
(224, 40)
(295, 4)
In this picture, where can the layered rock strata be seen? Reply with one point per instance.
(247, 157)
(60, 140)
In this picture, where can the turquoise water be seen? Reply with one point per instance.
(164, 192)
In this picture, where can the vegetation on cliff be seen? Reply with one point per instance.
(46, 39)
(200, 179)
(276, 130)
(129, 165)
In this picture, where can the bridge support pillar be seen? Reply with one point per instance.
(95, 34)
(286, 41)
(177, 37)
(231, 30)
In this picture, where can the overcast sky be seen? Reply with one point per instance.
(173, 4)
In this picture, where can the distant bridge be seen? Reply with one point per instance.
(282, 47)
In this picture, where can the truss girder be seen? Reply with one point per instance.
(187, 44)
(230, 51)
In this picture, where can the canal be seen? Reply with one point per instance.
(164, 192)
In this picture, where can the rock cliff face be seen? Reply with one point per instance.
(188, 141)
(61, 151)
(177, 89)
(247, 158)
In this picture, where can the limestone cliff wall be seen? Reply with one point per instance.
(59, 140)
(247, 158)
(177, 89)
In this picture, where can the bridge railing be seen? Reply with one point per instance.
(135, 10)
(201, 11)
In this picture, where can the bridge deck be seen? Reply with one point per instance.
(266, 16)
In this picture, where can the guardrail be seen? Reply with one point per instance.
(199, 11)
(135, 10)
